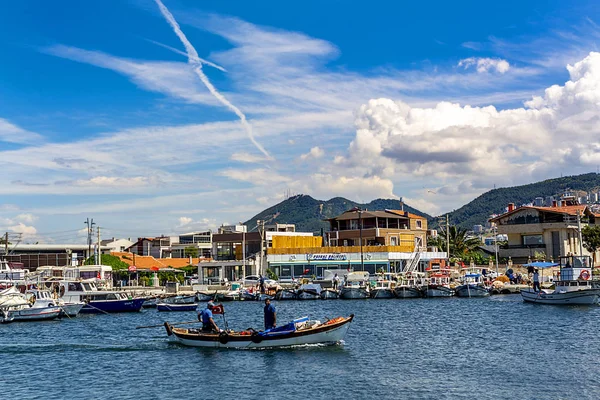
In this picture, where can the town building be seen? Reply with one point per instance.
(32, 256)
(117, 244)
(548, 231)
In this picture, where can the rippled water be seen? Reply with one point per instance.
(489, 348)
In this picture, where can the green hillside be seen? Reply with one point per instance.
(308, 213)
(495, 201)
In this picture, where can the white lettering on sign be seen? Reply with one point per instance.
(326, 257)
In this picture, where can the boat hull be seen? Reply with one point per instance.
(354, 293)
(286, 294)
(439, 291)
(308, 295)
(34, 314)
(578, 297)
(113, 306)
(71, 309)
(378, 293)
(472, 291)
(329, 294)
(407, 292)
(323, 334)
(176, 307)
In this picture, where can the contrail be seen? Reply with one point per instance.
(194, 60)
(183, 53)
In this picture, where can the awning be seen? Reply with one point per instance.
(541, 264)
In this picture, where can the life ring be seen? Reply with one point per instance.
(585, 275)
(256, 338)
(223, 337)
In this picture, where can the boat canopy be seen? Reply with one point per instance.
(541, 264)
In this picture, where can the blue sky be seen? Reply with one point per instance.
(102, 115)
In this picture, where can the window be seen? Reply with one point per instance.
(419, 224)
(393, 241)
(353, 224)
(532, 240)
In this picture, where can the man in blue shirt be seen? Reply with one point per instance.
(206, 317)
(270, 315)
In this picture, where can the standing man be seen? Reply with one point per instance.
(536, 281)
(336, 281)
(261, 283)
(270, 315)
(206, 317)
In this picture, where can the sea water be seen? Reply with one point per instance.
(455, 348)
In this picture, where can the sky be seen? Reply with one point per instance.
(168, 117)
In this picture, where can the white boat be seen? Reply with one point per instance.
(472, 286)
(297, 333)
(9, 274)
(330, 294)
(44, 298)
(410, 285)
(286, 294)
(98, 301)
(383, 289)
(575, 286)
(15, 307)
(439, 285)
(309, 291)
(355, 286)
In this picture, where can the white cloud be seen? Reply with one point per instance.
(315, 152)
(114, 181)
(183, 221)
(25, 230)
(355, 188)
(485, 64)
(247, 157)
(13, 134)
(28, 218)
(257, 176)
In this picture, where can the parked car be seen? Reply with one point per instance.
(252, 280)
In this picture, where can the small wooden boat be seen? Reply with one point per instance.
(190, 299)
(176, 307)
(309, 291)
(296, 333)
(204, 296)
(472, 286)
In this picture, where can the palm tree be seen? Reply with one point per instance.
(460, 244)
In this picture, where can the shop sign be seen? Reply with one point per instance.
(326, 257)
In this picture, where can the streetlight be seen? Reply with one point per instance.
(243, 249)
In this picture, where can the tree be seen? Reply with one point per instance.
(461, 246)
(591, 239)
(191, 251)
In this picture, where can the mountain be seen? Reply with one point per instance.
(495, 201)
(308, 213)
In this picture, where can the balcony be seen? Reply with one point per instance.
(343, 249)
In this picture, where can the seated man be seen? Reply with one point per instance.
(206, 317)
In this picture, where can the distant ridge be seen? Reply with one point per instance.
(495, 201)
(308, 213)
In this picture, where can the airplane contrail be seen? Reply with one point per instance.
(183, 53)
(194, 60)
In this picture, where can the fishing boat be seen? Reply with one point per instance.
(98, 301)
(230, 295)
(299, 332)
(309, 291)
(151, 301)
(439, 285)
(329, 294)
(410, 285)
(204, 296)
(574, 287)
(286, 294)
(176, 307)
(472, 286)
(44, 298)
(14, 306)
(180, 299)
(355, 286)
(384, 288)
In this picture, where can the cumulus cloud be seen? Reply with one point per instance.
(183, 221)
(28, 218)
(449, 141)
(483, 65)
(356, 188)
(315, 152)
(25, 230)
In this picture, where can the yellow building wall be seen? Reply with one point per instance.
(297, 242)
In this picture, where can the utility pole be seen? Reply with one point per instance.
(360, 226)
(261, 230)
(90, 228)
(6, 244)
(99, 259)
(243, 250)
(579, 232)
(448, 236)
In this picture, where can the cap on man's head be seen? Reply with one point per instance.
(210, 304)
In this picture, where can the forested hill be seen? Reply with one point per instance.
(495, 201)
(308, 213)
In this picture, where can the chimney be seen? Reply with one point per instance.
(554, 203)
(511, 207)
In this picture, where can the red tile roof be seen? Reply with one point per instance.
(569, 210)
(147, 262)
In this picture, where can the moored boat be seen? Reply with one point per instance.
(410, 285)
(286, 294)
(176, 307)
(296, 333)
(472, 286)
(98, 301)
(309, 291)
(329, 294)
(15, 307)
(439, 285)
(574, 287)
(355, 286)
(383, 289)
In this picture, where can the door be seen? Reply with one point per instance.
(555, 245)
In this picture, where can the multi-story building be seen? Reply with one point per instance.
(202, 241)
(551, 231)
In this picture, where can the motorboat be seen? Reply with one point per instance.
(286, 294)
(229, 295)
(204, 296)
(301, 331)
(151, 301)
(574, 287)
(472, 286)
(329, 294)
(176, 307)
(42, 297)
(309, 291)
(181, 299)
(98, 301)
(14, 306)
(384, 288)
(9, 273)
(410, 285)
(355, 286)
(439, 285)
